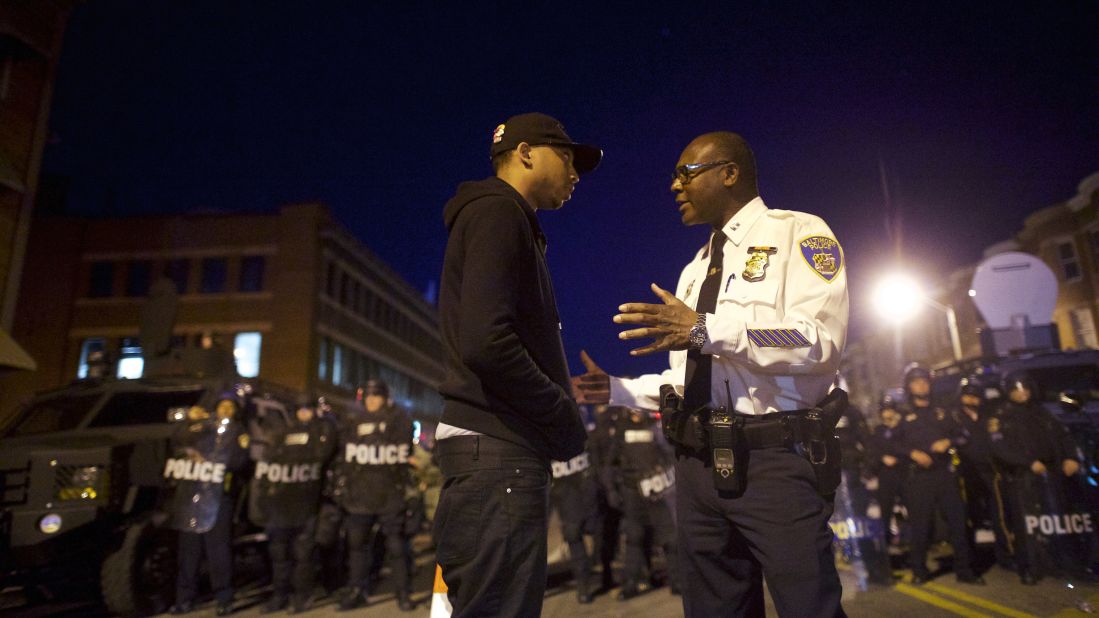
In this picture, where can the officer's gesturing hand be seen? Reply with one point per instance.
(921, 458)
(1038, 467)
(669, 324)
(593, 387)
(1070, 467)
(940, 446)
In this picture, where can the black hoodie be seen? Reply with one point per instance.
(506, 371)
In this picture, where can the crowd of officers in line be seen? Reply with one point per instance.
(340, 489)
(982, 463)
(346, 492)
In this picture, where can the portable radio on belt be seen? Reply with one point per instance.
(724, 430)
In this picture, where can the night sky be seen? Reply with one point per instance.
(978, 113)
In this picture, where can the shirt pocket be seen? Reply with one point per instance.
(752, 299)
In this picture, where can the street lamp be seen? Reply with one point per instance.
(898, 298)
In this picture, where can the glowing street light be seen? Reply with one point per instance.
(899, 297)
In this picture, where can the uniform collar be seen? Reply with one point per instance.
(738, 226)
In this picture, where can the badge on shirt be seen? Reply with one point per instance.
(756, 266)
(824, 255)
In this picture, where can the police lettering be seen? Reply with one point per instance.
(376, 454)
(190, 470)
(572, 466)
(288, 473)
(854, 528)
(657, 483)
(1068, 523)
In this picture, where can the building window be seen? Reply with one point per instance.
(251, 273)
(179, 272)
(1083, 328)
(337, 364)
(102, 280)
(137, 279)
(246, 347)
(322, 359)
(214, 273)
(131, 364)
(93, 349)
(1093, 239)
(330, 281)
(1070, 264)
(345, 289)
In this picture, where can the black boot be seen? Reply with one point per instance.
(404, 601)
(354, 598)
(629, 590)
(583, 592)
(276, 603)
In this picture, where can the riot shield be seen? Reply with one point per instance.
(859, 539)
(1059, 521)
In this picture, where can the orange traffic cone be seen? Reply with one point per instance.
(440, 604)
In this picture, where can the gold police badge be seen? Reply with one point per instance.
(756, 266)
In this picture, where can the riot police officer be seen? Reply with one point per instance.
(644, 487)
(205, 453)
(975, 467)
(887, 460)
(1031, 449)
(931, 436)
(573, 495)
(608, 517)
(291, 454)
(372, 474)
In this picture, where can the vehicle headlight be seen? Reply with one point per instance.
(83, 483)
(50, 523)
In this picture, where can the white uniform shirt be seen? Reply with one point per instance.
(777, 340)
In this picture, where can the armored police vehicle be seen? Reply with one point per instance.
(82, 472)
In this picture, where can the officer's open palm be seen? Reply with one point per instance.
(669, 325)
(1038, 467)
(921, 458)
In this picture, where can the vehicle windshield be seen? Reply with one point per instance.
(55, 414)
(143, 408)
(1080, 379)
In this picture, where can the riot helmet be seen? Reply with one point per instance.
(1019, 387)
(917, 383)
(887, 410)
(375, 395)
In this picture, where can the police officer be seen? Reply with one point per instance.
(755, 331)
(206, 451)
(644, 485)
(329, 534)
(371, 476)
(976, 466)
(1029, 446)
(887, 460)
(286, 485)
(573, 495)
(931, 436)
(609, 516)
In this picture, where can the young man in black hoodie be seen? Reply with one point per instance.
(508, 409)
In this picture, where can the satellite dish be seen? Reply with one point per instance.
(1011, 286)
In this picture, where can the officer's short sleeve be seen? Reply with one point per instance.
(807, 332)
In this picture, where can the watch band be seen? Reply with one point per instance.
(697, 337)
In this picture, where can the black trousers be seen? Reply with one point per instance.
(291, 553)
(359, 544)
(936, 491)
(891, 481)
(490, 526)
(644, 520)
(217, 546)
(574, 500)
(777, 529)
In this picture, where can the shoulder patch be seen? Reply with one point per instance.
(824, 255)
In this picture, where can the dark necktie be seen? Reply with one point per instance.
(699, 368)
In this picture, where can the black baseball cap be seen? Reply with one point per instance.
(541, 130)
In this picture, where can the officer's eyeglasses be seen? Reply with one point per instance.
(686, 172)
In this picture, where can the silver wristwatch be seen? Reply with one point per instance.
(697, 338)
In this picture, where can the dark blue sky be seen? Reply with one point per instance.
(979, 113)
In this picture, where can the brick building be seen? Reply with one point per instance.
(300, 301)
(30, 44)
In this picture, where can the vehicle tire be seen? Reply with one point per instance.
(138, 579)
